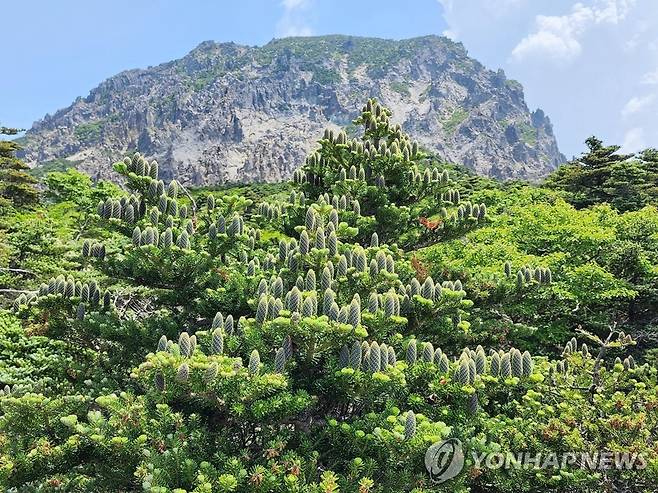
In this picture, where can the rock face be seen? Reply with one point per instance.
(231, 113)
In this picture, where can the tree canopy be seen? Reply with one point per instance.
(626, 181)
(16, 185)
(322, 335)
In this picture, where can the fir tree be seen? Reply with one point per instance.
(16, 185)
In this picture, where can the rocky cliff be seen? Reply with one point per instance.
(231, 113)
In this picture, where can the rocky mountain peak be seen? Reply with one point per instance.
(232, 113)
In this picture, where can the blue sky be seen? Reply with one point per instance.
(591, 65)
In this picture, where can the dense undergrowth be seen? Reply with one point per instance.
(319, 336)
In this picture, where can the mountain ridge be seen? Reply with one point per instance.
(233, 113)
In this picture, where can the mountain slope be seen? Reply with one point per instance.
(227, 113)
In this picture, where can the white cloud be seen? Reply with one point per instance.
(448, 14)
(636, 104)
(634, 140)
(293, 4)
(558, 37)
(451, 34)
(590, 57)
(491, 9)
(294, 22)
(650, 78)
(559, 46)
(613, 11)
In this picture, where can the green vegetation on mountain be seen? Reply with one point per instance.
(89, 132)
(401, 87)
(320, 335)
(458, 116)
(16, 184)
(52, 166)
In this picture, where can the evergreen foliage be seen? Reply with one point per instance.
(16, 184)
(320, 337)
(625, 181)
